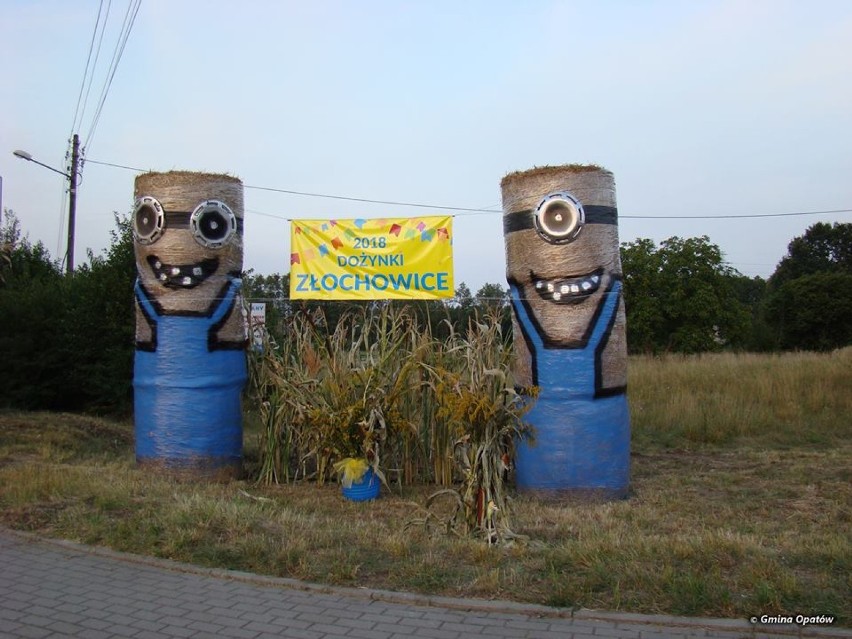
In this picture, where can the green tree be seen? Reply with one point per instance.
(101, 325)
(751, 292)
(66, 342)
(807, 305)
(491, 296)
(22, 261)
(32, 302)
(463, 298)
(813, 312)
(494, 299)
(641, 264)
(681, 297)
(462, 307)
(824, 248)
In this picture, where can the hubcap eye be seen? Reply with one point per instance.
(213, 224)
(148, 220)
(559, 218)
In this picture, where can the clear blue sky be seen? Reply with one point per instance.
(698, 107)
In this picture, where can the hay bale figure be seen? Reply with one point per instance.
(191, 333)
(564, 272)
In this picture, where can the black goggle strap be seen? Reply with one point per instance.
(523, 220)
(180, 220)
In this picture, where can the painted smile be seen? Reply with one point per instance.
(568, 290)
(185, 276)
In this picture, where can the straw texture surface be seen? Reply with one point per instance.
(528, 256)
(190, 365)
(183, 191)
(568, 313)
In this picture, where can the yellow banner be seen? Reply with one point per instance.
(400, 258)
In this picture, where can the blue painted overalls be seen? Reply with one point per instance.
(582, 433)
(187, 391)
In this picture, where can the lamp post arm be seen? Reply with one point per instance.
(72, 191)
(62, 173)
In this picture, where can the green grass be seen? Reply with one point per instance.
(741, 494)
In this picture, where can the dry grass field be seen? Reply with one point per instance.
(741, 504)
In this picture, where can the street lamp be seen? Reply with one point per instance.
(72, 191)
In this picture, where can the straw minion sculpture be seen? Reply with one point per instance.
(565, 280)
(191, 332)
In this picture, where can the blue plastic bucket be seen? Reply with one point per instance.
(364, 490)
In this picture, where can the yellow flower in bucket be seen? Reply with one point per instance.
(351, 470)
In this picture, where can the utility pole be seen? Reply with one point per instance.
(72, 200)
(72, 192)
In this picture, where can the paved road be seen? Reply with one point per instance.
(59, 589)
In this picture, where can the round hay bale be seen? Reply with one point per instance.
(183, 191)
(564, 271)
(191, 332)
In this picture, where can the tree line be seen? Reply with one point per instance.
(66, 343)
(681, 296)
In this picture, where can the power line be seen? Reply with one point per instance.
(118, 52)
(78, 124)
(126, 28)
(274, 217)
(729, 217)
(361, 199)
(88, 60)
(117, 166)
(324, 195)
(480, 211)
(633, 217)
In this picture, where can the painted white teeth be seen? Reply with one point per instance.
(158, 264)
(196, 271)
(558, 290)
(163, 277)
(175, 270)
(187, 281)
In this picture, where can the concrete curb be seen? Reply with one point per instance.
(453, 603)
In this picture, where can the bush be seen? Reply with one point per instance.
(812, 312)
(66, 341)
